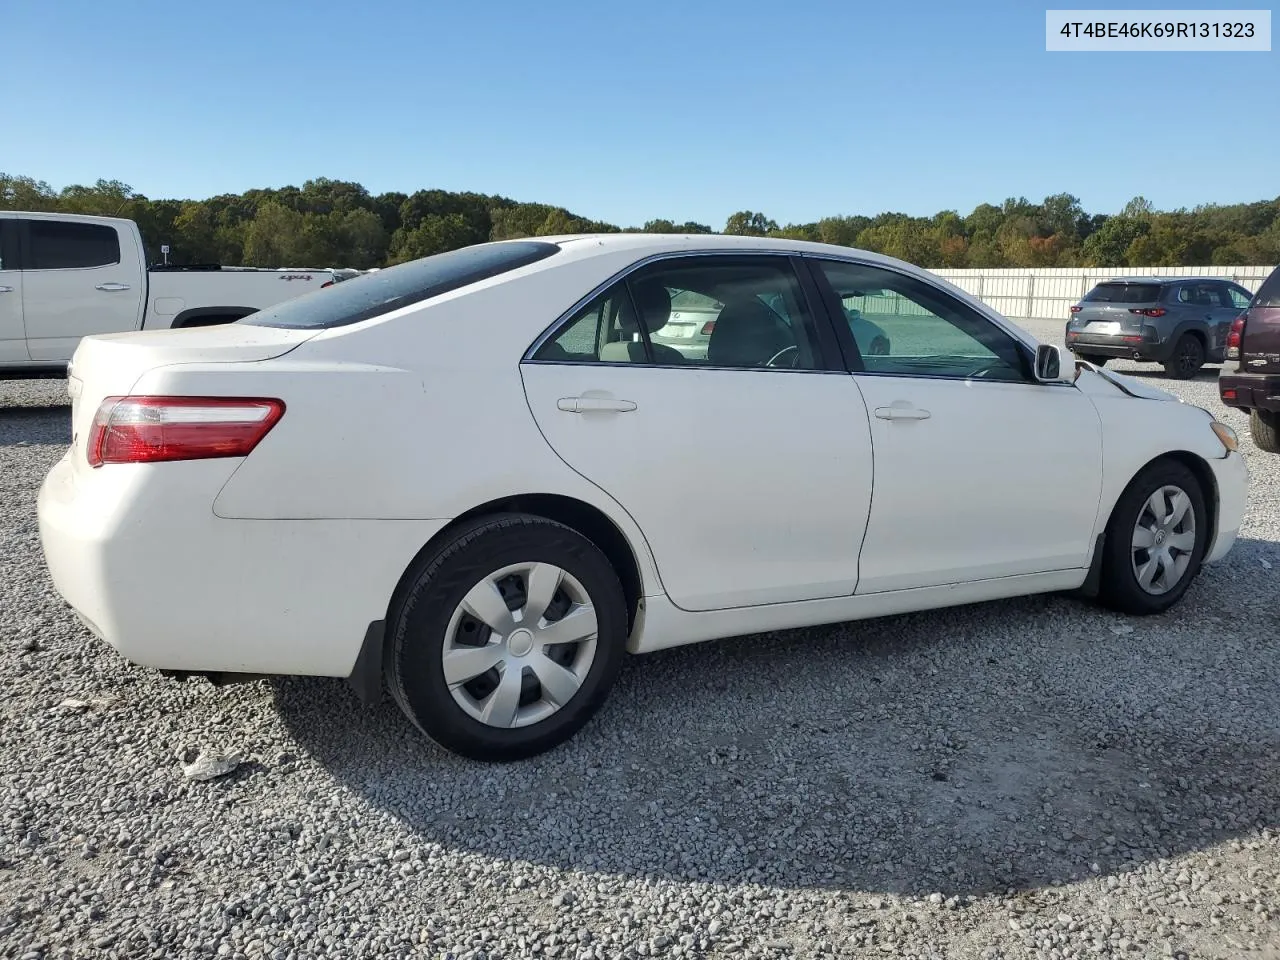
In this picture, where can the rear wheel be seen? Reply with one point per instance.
(1156, 540)
(1187, 358)
(507, 640)
(1264, 425)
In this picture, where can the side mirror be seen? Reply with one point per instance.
(1053, 365)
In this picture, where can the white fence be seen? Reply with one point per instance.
(1047, 293)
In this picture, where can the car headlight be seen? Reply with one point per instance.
(1226, 435)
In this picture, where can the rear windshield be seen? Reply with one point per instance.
(1269, 293)
(374, 294)
(1125, 293)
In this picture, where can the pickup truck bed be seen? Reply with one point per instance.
(66, 276)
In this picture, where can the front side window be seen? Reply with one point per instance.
(1240, 299)
(905, 326)
(705, 311)
(63, 245)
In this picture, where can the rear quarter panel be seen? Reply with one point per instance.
(418, 415)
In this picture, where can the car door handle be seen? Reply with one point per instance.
(594, 405)
(112, 287)
(6, 289)
(902, 412)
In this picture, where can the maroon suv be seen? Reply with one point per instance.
(1250, 379)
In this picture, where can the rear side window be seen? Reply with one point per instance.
(57, 245)
(1269, 292)
(375, 294)
(1124, 293)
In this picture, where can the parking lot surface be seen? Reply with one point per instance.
(1033, 778)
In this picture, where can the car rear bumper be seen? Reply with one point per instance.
(1152, 351)
(1231, 476)
(1246, 391)
(139, 555)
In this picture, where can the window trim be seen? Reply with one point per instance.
(26, 258)
(853, 355)
(829, 360)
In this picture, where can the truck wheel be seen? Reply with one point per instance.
(507, 639)
(1264, 425)
(1187, 358)
(1156, 540)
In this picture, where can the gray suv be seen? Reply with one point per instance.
(1180, 322)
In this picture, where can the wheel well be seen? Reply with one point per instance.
(210, 316)
(582, 517)
(1198, 334)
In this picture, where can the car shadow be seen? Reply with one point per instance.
(1016, 744)
(35, 425)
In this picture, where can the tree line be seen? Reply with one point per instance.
(337, 223)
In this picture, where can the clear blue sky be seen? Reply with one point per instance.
(625, 111)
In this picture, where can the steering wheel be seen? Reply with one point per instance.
(773, 361)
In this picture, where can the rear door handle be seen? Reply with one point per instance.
(902, 412)
(112, 287)
(594, 405)
(6, 289)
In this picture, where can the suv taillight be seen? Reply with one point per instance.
(1235, 338)
(1076, 309)
(1149, 311)
(152, 429)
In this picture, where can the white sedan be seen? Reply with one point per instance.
(467, 476)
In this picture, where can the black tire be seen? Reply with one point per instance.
(1187, 358)
(1264, 426)
(1119, 588)
(422, 611)
(1095, 359)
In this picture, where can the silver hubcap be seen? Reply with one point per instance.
(520, 645)
(1164, 537)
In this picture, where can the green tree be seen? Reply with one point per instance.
(748, 223)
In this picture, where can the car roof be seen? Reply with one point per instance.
(1164, 280)
(653, 244)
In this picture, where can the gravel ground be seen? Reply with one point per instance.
(1034, 778)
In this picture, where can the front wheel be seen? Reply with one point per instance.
(1156, 540)
(507, 640)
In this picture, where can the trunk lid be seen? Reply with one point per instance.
(1108, 309)
(109, 365)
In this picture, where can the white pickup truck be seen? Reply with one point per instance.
(65, 276)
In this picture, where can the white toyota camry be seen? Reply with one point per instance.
(477, 478)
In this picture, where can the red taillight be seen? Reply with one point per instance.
(1235, 338)
(1149, 311)
(708, 327)
(151, 429)
(1228, 393)
(1076, 309)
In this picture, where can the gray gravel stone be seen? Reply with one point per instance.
(1037, 778)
